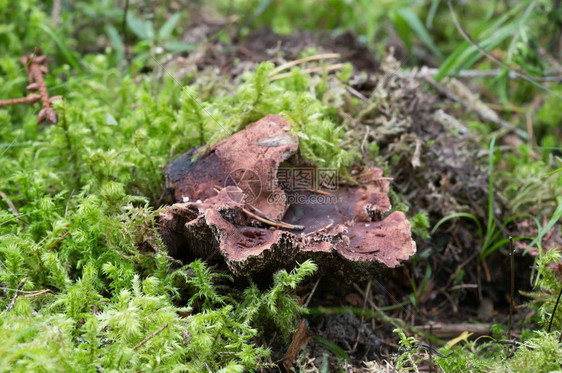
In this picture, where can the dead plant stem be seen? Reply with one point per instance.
(151, 336)
(16, 294)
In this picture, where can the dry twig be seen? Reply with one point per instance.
(9, 203)
(317, 57)
(34, 65)
(318, 69)
(16, 294)
(29, 99)
(273, 223)
(151, 336)
(265, 219)
(484, 114)
(36, 293)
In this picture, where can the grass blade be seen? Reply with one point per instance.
(498, 244)
(115, 39)
(138, 27)
(489, 36)
(417, 26)
(459, 215)
(431, 13)
(553, 172)
(168, 27)
(553, 220)
(65, 51)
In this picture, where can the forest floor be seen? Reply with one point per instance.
(467, 179)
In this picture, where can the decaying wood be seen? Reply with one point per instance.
(300, 339)
(236, 208)
(453, 330)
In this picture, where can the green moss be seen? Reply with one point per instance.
(420, 224)
(83, 191)
(546, 356)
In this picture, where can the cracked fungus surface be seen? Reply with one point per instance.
(234, 216)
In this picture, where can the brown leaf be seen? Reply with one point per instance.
(300, 340)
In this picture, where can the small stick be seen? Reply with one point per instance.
(263, 213)
(454, 275)
(554, 311)
(308, 71)
(305, 305)
(13, 301)
(364, 141)
(55, 13)
(513, 343)
(266, 219)
(59, 241)
(365, 299)
(275, 224)
(357, 94)
(320, 230)
(10, 203)
(35, 69)
(469, 107)
(431, 348)
(151, 336)
(36, 293)
(186, 336)
(447, 331)
(512, 280)
(288, 65)
(446, 295)
(464, 286)
(486, 270)
(207, 367)
(318, 191)
(420, 346)
(29, 99)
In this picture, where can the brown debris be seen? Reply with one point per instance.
(35, 68)
(34, 65)
(29, 99)
(446, 331)
(300, 339)
(347, 231)
(16, 294)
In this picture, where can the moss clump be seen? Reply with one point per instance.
(546, 356)
(78, 200)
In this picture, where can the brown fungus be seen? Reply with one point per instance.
(235, 204)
